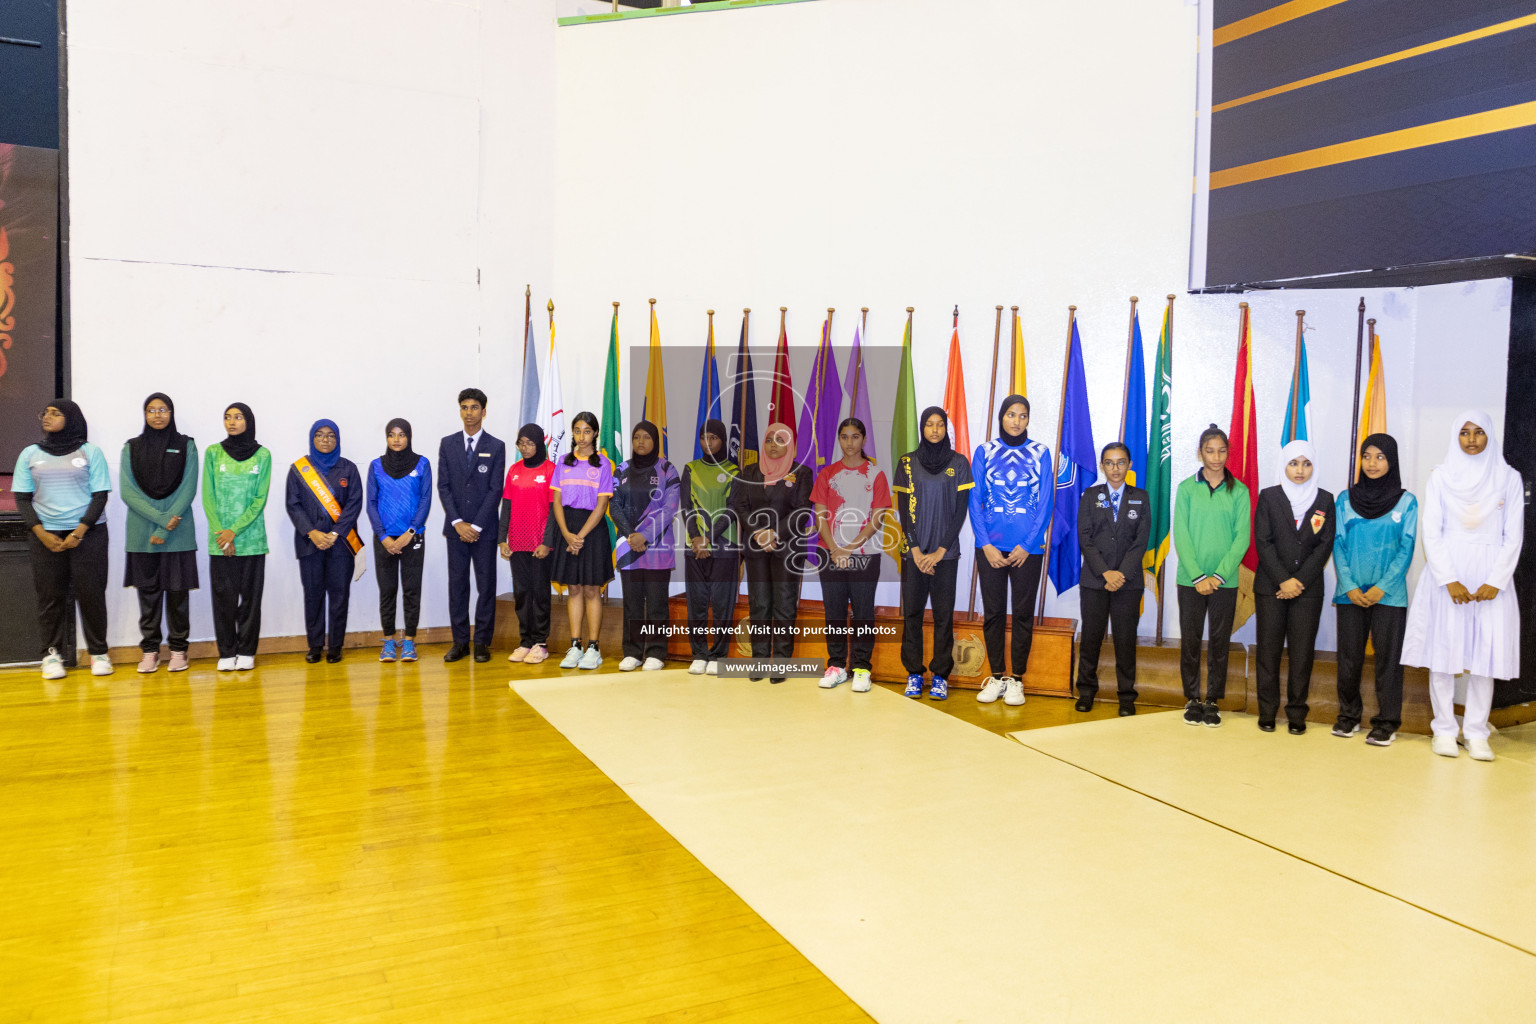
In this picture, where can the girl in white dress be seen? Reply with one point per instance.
(1464, 617)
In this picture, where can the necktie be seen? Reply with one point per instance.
(469, 451)
(1114, 505)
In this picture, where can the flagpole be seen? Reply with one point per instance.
(1158, 635)
(741, 396)
(1125, 393)
(527, 319)
(1066, 365)
(1296, 381)
(997, 335)
(710, 399)
(1354, 419)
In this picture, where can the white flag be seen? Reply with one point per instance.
(551, 403)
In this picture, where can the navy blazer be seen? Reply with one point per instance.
(306, 513)
(471, 493)
(1108, 543)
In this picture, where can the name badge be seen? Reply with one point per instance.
(485, 455)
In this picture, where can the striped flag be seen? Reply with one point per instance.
(654, 408)
(816, 440)
(781, 395)
(709, 391)
(1300, 398)
(1159, 482)
(1243, 457)
(610, 436)
(551, 405)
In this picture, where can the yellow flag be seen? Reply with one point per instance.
(1017, 383)
(655, 408)
(1373, 410)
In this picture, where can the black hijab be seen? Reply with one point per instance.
(534, 433)
(242, 446)
(1372, 499)
(1007, 438)
(646, 461)
(934, 456)
(158, 457)
(71, 436)
(398, 464)
(717, 428)
(638, 475)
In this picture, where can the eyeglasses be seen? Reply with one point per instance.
(157, 410)
(1117, 463)
(324, 435)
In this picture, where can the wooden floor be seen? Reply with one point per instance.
(353, 842)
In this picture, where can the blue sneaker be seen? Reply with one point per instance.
(914, 685)
(407, 649)
(388, 653)
(940, 689)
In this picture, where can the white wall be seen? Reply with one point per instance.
(321, 208)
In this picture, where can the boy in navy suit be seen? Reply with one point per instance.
(470, 467)
(1112, 531)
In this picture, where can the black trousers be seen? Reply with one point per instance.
(645, 604)
(995, 583)
(848, 600)
(482, 556)
(83, 567)
(327, 580)
(1194, 610)
(531, 597)
(1385, 625)
(237, 582)
(399, 573)
(1292, 625)
(917, 589)
(711, 584)
(178, 622)
(773, 598)
(1120, 610)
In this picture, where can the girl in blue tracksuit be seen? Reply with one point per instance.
(399, 498)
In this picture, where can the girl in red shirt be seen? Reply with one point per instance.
(524, 511)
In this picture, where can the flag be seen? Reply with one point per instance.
(1078, 470)
(1159, 484)
(1017, 382)
(709, 391)
(744, 441)
(654, 408)
(954, 398)
(610, 435)
(858, 391)
(551, 404)
(528, 410)
(1373, 411)
(1134, 416)
(816, 440)
(904, 425)
(1243, 458)
(781, 395)
(1300, 398)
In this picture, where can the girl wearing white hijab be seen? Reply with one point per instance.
(1464, 617)
(1293, 527)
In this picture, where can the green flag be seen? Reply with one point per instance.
(1159, 482)
(904, 425)
(610, 435)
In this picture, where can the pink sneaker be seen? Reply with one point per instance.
(178, 661)
(536, 654)
(518, 655)
(149, 662)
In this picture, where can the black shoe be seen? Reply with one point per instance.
(1381, 736)
(756, 679)
(333, 656)
(1344, 728)
(777, 679)
(458, 652)
(482, 652)
(1084, 704)
(312, 655)
(1296, 728)
(1212, 715)
(1266, 726)
(1127, 710)
(1194, 713)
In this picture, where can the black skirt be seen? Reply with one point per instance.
(172, 570)
(593, 565)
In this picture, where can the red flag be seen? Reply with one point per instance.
(781, 398)
(954, 397)
(1243, 456)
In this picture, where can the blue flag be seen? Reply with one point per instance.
(530, 407)
(1299, 398)
(709, 392)
(1136, 410)
(1078, 471)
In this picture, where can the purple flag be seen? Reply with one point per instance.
(816, 440)
(858, 388)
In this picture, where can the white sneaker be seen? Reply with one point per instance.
(245, 662)
(992, 690)
(861, 680)
(627, 665)
(1015, 695)
(591, 658)
(226, 664)
(53, 665)
(572, 657)
(652, 664)
(1445, 746)
(1479, 749)
(712, 669)
(833, 677)
(101, 665)
(697, 667)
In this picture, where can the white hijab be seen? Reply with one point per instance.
(1472, 484)
(1301, 496)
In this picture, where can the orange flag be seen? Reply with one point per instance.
(954, 396)
(1243, 457)
(1373, 411)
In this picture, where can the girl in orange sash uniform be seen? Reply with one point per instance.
(325, 497)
